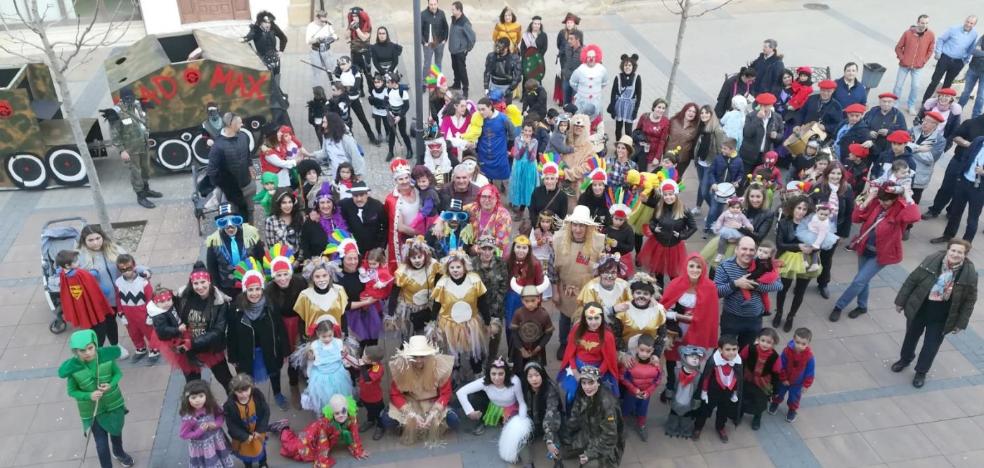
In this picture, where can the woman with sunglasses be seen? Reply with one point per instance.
(232, 242)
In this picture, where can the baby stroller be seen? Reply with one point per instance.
(205, 197)
(53, 240)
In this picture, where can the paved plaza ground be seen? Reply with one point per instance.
(858, 413)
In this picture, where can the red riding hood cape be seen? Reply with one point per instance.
(703, 330)
(83, 303)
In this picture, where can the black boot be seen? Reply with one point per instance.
(777, 319)
(789, 323)
(151, 193)
(144, 202)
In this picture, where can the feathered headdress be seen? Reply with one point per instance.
(618, 200)
(597, 170)
(278, 258)
(248, 273)
(549, 163)
(435, 79)
(340, 243)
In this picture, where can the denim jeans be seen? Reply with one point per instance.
(913, 74)
(972, 78)
(436, 53)
(713, 212)
(704, 189)
(868, 267)
(103, 439)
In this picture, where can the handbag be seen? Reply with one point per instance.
(854, 242)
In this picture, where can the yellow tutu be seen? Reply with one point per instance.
(794, 266)
(640, 217)
(710, 251)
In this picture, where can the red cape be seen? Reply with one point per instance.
(703, 330)
(83, 303)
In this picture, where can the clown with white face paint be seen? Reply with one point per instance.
(589, 81)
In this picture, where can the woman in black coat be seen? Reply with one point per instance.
(831, 186)
(256, 331)
(548, 196)
(665, 249)
(196, 327)
(787, 247)
(281, 293)
(385, 53)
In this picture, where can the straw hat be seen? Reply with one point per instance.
(581, 215)
(418, 346)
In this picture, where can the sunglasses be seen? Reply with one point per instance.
(459, 216)
(224, 222)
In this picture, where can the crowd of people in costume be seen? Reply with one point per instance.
(521, 220)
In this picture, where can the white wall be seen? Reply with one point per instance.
(160, 16)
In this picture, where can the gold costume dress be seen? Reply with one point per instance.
(310, 304)
(459, 319)
(594, 292)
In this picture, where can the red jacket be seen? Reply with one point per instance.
(801, 93)
(371, 384)
(913, 49)
(397, 399)
(888, 233)
(642, 376)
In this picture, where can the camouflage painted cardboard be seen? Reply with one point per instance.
(31, 124)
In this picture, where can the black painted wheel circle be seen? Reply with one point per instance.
(200, 148)
(27, 171)
(66, 166)
(174, 154)
(249, 135)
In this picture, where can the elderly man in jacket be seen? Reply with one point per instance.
(937, 298)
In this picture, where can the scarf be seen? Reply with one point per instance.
(761, 376)
(343, 431)
(253, 311)
(684, 378)
(943, 286)
(724, 371)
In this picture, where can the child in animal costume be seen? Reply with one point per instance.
(93, 380)
(265, 196)
(416, 277)
(336, 424)
(684, 397)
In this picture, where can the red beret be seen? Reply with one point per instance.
(827, 84)
(888, 95)
(947, 91)
(898, 136)
(765, 99)
(855, 109)
(935, 116)
(804, 71)
(858, 150)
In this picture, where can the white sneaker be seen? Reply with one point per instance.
(124, 354)
(813, 268)
(695, 211)
(718, 258)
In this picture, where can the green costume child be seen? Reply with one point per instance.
(93, 380)
(265, 196)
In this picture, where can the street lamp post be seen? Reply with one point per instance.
(418, 81)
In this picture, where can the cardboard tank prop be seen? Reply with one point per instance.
(37, 149)
(175, 76)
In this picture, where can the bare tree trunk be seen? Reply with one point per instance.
(68, 108)
(684, 15)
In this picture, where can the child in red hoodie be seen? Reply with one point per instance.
(764, 269)
(762, 374)
(371, 390)
(797, 373)
(640, 382)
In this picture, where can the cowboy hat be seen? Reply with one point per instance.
(627, 141)
(418, 346)
(581, 215)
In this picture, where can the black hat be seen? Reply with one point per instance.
(358, 188)
(307, 165)
(226, 209)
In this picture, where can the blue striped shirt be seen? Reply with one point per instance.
(734, 301)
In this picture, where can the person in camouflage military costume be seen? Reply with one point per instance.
(492, 270)
(128, 126)
(593, 433)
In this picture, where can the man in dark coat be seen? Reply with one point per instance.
(364, 217)
(852, 130)
(762, 132)
(962, 138)
(822, 108)
(768, 69)
(229, 166)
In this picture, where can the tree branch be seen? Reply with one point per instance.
(708, 10)
(663, 2)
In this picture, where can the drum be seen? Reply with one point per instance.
(796, 142)
(724, 191)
